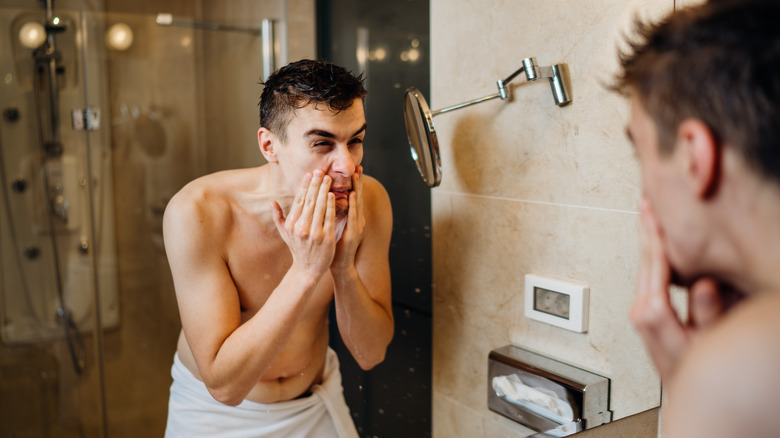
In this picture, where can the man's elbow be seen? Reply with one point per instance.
(367, 363)
(226, 395)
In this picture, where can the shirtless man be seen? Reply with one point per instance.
(704, 86)
(259, 254)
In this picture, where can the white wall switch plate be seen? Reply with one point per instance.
(560, 303)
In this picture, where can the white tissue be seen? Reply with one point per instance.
(538, 400)
(339, 228)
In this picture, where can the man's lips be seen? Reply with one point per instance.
(340, 192)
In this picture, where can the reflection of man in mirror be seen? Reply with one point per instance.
(259, 254)
(704, 86)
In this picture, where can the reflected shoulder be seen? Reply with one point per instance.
(376, 197)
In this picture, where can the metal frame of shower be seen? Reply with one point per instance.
(266, 31)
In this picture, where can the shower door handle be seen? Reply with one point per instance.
(269, 63)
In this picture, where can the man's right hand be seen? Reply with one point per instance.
(308, 228)
(665, 335)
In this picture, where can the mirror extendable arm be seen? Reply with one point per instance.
(501, 93)
(532, 73)
(418, 118)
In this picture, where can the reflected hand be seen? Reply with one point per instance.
(308, 229)
(667, 337)
(346, 248)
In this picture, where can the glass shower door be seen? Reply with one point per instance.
(58, 261)
(88, 315)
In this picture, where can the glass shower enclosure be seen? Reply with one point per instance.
(103, 120)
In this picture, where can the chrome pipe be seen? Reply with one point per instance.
(465, 104)
(165, 19)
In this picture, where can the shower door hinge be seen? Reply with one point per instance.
(86, 119)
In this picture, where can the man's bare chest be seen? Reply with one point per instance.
(258, 260)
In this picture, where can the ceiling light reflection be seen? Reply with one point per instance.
(119, 36)
(32, 35)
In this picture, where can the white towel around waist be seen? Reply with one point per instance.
(193, 412)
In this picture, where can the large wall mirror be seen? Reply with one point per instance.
(530, 188)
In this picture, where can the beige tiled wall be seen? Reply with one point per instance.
(532, 188)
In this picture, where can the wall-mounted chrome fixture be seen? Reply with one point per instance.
(551, 397)
(418, 117)
(266, 31)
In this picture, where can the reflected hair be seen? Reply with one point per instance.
(303, 82)
(718, 62)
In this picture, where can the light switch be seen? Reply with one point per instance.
(560, 303)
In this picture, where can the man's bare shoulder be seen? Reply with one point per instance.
(377, 201)
(728, 383)
(206, 202)
(376, 192)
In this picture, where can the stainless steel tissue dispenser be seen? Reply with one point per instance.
(545, 394)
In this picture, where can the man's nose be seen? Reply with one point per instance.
(344, 162)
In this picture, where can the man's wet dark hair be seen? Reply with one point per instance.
(718, 62)
(301, 83)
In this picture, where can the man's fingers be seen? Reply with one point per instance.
(359, 191)
(321, 204)
(330, 213)
(652, 313)
(278, 215)
(304, 221)
(704, 303)
(300, 198)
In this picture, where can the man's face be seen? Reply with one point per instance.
(321, 138)
(663, 186)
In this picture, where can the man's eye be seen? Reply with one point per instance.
(322, 143)
(356, 141)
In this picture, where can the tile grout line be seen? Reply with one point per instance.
(528, 201)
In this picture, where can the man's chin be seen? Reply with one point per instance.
(342, 208)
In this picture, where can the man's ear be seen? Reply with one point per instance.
(268, 143)
(703, 154)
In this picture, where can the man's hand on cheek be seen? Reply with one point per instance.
(665, 335)
(308, 228)
(347, 246)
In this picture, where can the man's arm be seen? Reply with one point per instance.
(231, 356)
(361, 273)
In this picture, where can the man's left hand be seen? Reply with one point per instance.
(346, 248)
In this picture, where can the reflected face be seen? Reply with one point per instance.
(319, 137)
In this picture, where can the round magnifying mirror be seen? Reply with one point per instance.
(423, 142)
